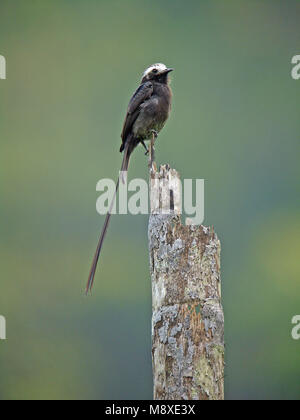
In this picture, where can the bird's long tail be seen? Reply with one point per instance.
(124, 169)
(127, 152)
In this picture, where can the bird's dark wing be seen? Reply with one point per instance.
(143, 93)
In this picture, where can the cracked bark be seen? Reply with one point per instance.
(187, 314)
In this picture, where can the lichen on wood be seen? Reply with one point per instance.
(187, 320)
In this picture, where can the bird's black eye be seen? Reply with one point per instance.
(154, 71)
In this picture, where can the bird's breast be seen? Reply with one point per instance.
(153, 115)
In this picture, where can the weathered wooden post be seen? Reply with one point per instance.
(187, 318)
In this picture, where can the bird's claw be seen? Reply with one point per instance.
(155, 133)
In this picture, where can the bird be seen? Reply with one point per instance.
(147, 113)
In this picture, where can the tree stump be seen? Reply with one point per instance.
(187, 314)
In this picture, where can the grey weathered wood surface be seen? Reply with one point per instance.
(187, 320)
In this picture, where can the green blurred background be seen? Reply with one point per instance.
(71, 69)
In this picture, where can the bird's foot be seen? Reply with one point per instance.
(155, 133)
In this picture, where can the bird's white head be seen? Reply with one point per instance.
(155, 71)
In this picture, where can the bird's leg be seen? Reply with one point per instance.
(146, 148)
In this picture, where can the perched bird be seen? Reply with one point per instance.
(147, 112)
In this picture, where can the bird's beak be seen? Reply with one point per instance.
(166, 71)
